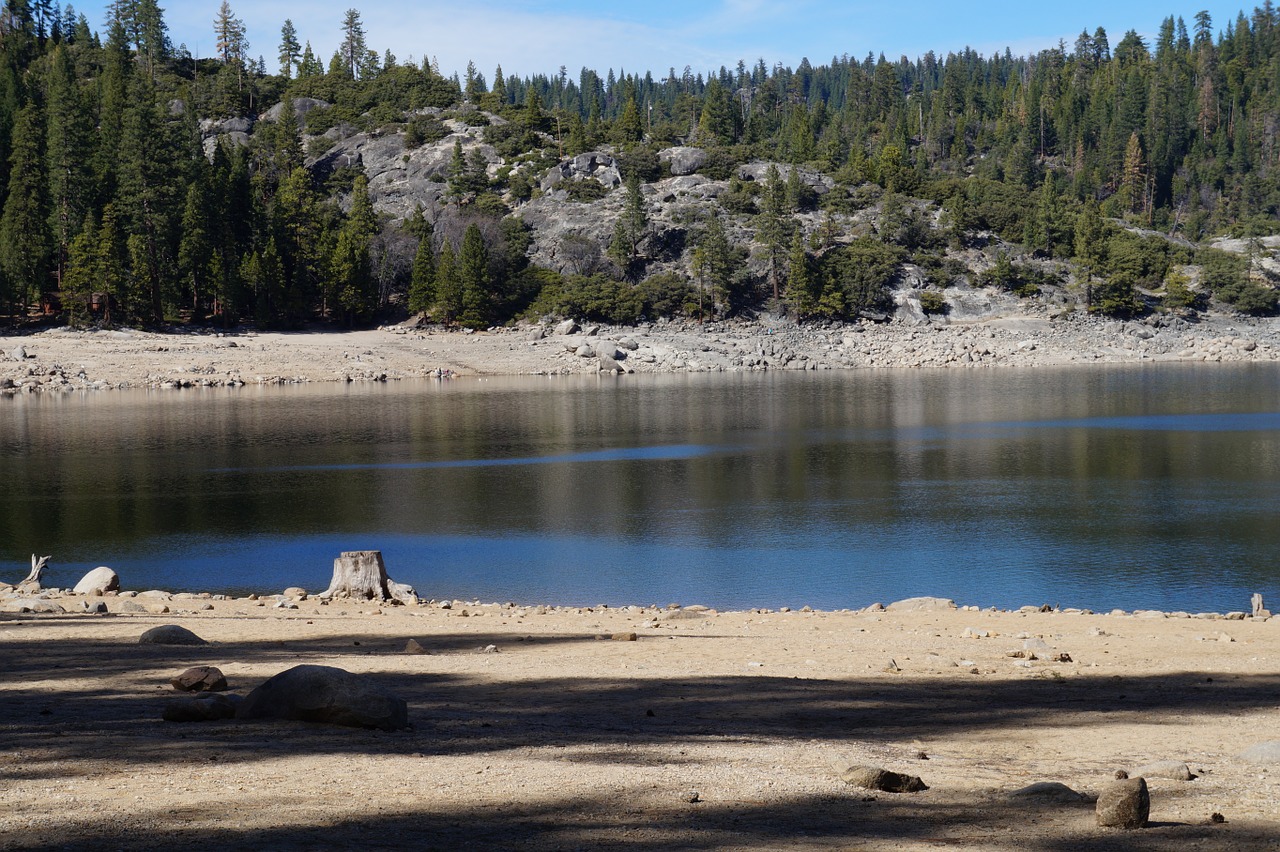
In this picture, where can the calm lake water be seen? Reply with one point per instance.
(1111, 487)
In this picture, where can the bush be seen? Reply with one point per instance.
(1178, 295)
(1227, 276)
(668, 294)
(423, 130)
(1019, 279)
(643, 162)
(597, 298)
(932, 302)
(512, 140)
(585, 190)
(857, 276)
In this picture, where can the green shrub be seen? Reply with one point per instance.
(932, 302)
(423, 130)
(585, 190)
(668, 294)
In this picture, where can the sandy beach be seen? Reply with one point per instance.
(538, 727)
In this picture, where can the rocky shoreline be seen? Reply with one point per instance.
(92, 596)
(64, 360)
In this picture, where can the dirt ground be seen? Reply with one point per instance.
(562, 736)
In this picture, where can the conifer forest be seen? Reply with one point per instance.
(142, 185)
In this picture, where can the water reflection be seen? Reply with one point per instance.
(1099, 487)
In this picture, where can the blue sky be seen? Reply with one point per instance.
(531, 37)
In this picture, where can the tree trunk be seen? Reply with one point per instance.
(362, 574)
(32, 582)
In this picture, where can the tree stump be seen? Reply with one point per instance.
(362, 574)
(32, 582)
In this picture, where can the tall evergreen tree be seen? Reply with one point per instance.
(353, 49)
(68, 149)
(290, 51)
(24, 237)
(474, 280)
(773, 227)
(422, 283)
(448, 289)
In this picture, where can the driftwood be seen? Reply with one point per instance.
(32, 582)
(362, 574)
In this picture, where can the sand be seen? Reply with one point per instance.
(563, 737)
(64, 360)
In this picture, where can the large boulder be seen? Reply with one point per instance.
(593, 164)
(326, 694)
(170, 634)
(301, 106)
(99, 581)
(683, 160)
(217, 127)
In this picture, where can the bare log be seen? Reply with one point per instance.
(361, 574)
(32, 582)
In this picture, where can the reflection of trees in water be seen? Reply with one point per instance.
(991, 455)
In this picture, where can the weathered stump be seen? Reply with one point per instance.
(32, 582)
(362, 574)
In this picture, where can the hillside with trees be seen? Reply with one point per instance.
(143, 185)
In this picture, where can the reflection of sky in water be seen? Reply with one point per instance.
(733, 491)
(665, 453)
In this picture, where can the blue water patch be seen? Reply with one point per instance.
(660, 453)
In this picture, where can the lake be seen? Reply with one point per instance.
(1127, 487)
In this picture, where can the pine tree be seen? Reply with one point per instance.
(290, 50)
(24, 240)
(1090, 246)
(81, 274)
(448, 289)
(309, 66)
(1131, 196)
(499, 90)
(718, 123)
(230, 41)
(800, 297)
(629, 129)
(195, 249)
(773, 226)
(473, 276)
(635, 218)
(296, 221)
(148, 199)
(422, 281)
(715, 267)
(350, 268)
(353, 50)
(68, 151)
(110, 265)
